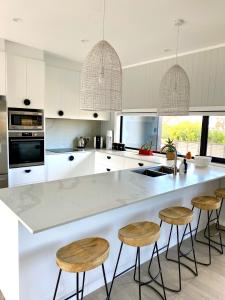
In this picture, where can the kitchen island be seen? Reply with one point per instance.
(38, 219)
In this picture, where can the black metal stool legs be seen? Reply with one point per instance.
(78, 290)
(137, 269)
(178, 261)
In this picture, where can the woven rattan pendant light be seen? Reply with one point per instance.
(101, 78)
(174, 88)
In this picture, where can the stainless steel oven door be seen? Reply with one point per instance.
(30, 119)
(24, 152)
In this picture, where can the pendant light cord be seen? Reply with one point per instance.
(103, 21)
(178, 36)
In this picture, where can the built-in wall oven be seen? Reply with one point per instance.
(25, 119)
(26, 149)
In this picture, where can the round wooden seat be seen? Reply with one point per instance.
(220, 193)
(140, 234)
(82, 255)
(206, 202)
(176, 215)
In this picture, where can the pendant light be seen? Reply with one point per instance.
(175, 87)
(101, 78)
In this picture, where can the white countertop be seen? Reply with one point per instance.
(45, 205)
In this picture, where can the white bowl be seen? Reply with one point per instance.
(202, 161)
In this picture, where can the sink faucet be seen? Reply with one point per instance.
(175, 159)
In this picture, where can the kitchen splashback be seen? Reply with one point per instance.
(61, 133)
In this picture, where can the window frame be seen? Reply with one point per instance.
(203, 140)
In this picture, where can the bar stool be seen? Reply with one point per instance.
(208, 204)
(177, 216)
(220, 193)
(82, 256)
(138, 235)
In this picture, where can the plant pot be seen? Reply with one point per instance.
(145, 152)
(170, 155)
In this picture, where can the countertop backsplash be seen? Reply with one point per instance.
(61, 133)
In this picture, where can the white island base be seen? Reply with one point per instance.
(27, 261)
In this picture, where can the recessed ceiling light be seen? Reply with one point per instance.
(17, 20)
(84, 41)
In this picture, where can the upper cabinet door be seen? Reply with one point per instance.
(70, 93)
(36, 83)
(16, 81)
(2, 73)
(25, 80)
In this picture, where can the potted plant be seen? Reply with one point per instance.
(170, 153)
(146, 149)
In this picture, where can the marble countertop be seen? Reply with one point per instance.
(45, 205)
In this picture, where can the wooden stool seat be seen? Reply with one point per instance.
(206, 202)
(140, 234)
(176, 215)
(220, 193)
(82, 255)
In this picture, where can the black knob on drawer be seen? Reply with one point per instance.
(26, 102)
(141, 164)
(71, 157)
(60, 113)
(95, 115)
(109, 157)
(27, 171)
(108, 170)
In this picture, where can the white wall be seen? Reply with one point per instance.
(61, 133)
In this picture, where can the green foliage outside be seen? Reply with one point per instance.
(187, 131)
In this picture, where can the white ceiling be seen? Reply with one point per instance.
(138, 29)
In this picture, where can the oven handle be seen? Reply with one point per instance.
(25, 140)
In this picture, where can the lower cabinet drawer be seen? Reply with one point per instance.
(28, 175)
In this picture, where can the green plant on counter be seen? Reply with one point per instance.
(147, 146)
(169, 145)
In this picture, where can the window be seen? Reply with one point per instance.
(216, 137)
(199, 135)
(185, 131)
(138, 130)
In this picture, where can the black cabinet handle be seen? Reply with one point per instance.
(60, 113)
(27, 171)
(71, 158)
(95, 115)
(108, 170)
(26, 102)
(141, 164)
(109, 157)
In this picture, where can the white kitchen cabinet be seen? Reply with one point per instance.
(2, 73)
(25, 80)
(62, 94)
(130, 163)
(106, 162)
(94, 115)
(26, 175)
(67, 165)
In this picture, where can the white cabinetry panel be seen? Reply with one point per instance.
(28, 175)
(63, 94)
(25, 80)
(2, 73)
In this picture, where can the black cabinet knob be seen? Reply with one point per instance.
(95, 115)
(60, 113)
(71, 158)
(26, 102)
(108, 170)
(141, 164)
(109, 157)
(27, 171)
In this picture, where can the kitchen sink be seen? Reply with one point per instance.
(154, 171)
